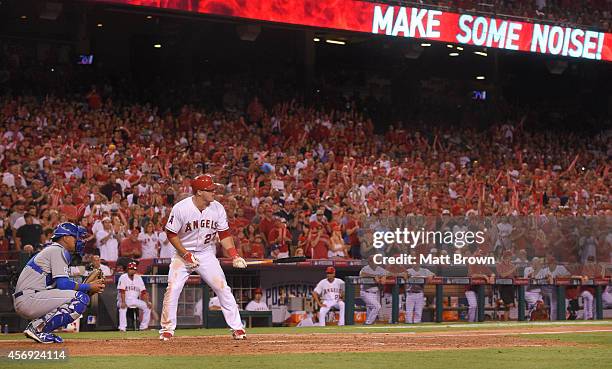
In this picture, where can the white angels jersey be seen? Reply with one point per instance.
(197, 229)
(257, 306)
(330, 291)
(132, 287)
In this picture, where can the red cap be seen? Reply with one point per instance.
(257, 290)
(330, 270)
(314, 224)
(132, 265)
(203, 182)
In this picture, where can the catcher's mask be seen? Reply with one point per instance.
(71, 229)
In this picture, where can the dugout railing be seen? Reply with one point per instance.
(560, 285)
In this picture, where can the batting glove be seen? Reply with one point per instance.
(191, 262)
(239, 262)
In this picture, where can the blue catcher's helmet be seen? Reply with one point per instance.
(71, 229)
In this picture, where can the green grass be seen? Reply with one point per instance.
(597, 355)
(398, 328)
(513, 358)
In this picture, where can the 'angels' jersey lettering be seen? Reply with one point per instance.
(197, 229)
(330, 291)
(133, 287)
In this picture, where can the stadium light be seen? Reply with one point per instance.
(149, 17)
(449, 46)
(480, 77)
(453, 54)
(335, 42)
(459, 48)
(481, 53)
(157, 46)
(425, 45)
(316, 39)
(24, 17)
(99, 25)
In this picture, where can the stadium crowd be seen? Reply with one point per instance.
(294, 180)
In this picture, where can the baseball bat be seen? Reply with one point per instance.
(293, 259)
(260, 262)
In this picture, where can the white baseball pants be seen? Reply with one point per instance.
(328, 306)
(472, 305)
(210, 271)
(606, 297)
(587, 304)
(135, 303)
(415, 301)
(552, 297)
(372, 300)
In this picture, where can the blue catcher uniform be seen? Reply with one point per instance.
(44, 293)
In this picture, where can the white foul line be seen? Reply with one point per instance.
(483, 325)
(512, 333)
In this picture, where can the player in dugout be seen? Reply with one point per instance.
(329, 294)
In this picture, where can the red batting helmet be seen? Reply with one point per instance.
(330, 270)
(203, 182)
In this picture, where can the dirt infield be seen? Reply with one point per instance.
(317, 342)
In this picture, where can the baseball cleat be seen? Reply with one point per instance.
(41, 337)
(166, 336)
(55, 337)
(239, 334)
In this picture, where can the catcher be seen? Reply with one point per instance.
(45, 294)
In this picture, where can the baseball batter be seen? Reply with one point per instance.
(130, 288)
(193, 227)
(415, 297)
(370, 294)
(44, 292)
(329, 294)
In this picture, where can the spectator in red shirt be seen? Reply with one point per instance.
(131, 247)
(318, 242)
(253, 249)
(281, 237)
(4, 246)
(266, 224)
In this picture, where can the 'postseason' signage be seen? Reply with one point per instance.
(399, 21)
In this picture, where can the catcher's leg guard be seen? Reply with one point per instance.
(67, 313)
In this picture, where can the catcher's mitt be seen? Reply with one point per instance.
(95, 275)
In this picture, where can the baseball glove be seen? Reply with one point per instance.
(95, 275)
